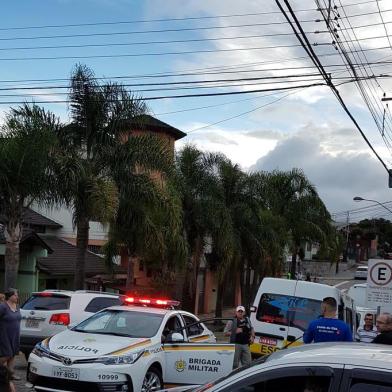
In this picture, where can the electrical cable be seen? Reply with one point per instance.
(315, 59)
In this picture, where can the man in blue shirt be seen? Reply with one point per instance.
(328, 328)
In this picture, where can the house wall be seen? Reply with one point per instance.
(63, 216)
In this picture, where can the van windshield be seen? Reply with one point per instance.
(287, 310)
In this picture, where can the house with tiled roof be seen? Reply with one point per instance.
(46, 260)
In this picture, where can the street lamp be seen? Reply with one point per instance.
(358, 198)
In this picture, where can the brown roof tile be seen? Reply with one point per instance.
(62, 260)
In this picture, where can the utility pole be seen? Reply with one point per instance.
(347, 236)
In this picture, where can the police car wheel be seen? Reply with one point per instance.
(152, 380)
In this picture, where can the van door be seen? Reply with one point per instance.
(191, 363)
(272, 319)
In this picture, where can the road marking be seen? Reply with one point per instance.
(341, 283)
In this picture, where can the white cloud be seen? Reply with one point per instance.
(338, 177)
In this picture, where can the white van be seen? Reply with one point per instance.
(283, 309)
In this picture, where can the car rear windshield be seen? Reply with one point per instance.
(47, 302)
(287, 310)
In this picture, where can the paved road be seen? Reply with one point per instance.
(20, 370)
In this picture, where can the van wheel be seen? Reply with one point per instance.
(152, 380)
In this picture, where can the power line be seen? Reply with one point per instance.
(121, 44)
(220, 70)
(127, 22)
(146, 31)
(308, 48)
(184, 95)
(170, 53)
(294, 76)
(243, 113)
(213, 106)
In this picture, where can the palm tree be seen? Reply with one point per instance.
(252, 237)
(196, 181)
(148, 221)
(295, 199)
(27, 146)
(100, 117)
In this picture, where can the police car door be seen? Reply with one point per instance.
(192, 363)
(197, 332)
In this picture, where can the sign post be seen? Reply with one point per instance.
(379, 283)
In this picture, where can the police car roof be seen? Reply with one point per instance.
(142, 309)
(360, 354)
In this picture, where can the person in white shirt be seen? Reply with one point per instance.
(368, 331)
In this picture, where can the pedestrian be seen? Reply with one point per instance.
(9, 331)
(327, 328)
(308, 277)
(2, 298)
(6, 385)
(384, 326)
(242, 335)
(368, 331)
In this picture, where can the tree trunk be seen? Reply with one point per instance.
(13, 234)
(246, 299)
(191, 276)
(129, 285)
(219, 303)
(82, 225)
(293, 264)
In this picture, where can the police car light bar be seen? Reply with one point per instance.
(151, 301)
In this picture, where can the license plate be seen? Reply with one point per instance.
(63, 372)
(32, 323)
(268, 341)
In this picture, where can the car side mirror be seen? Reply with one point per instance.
(253, 309)
(175, 337)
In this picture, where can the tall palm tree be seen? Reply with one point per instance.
(100, 117)
(27, 145)
(295, 199)
(148, 221)
(196, 181)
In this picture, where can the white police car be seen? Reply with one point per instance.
(130, 348)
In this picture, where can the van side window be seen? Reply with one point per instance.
(287, 310)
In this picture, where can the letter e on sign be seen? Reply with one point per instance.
(380, 274)
(379, 282)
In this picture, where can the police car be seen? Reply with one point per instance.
(130, 348)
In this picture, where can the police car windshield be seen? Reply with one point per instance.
(122, 323)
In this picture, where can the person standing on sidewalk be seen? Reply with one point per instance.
(328, 328)
(384, 326)
(10, 318)
(368, 331)
(242, 335)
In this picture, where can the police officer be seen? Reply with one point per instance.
(242, 334)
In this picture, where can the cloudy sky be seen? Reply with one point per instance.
(304, 128)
